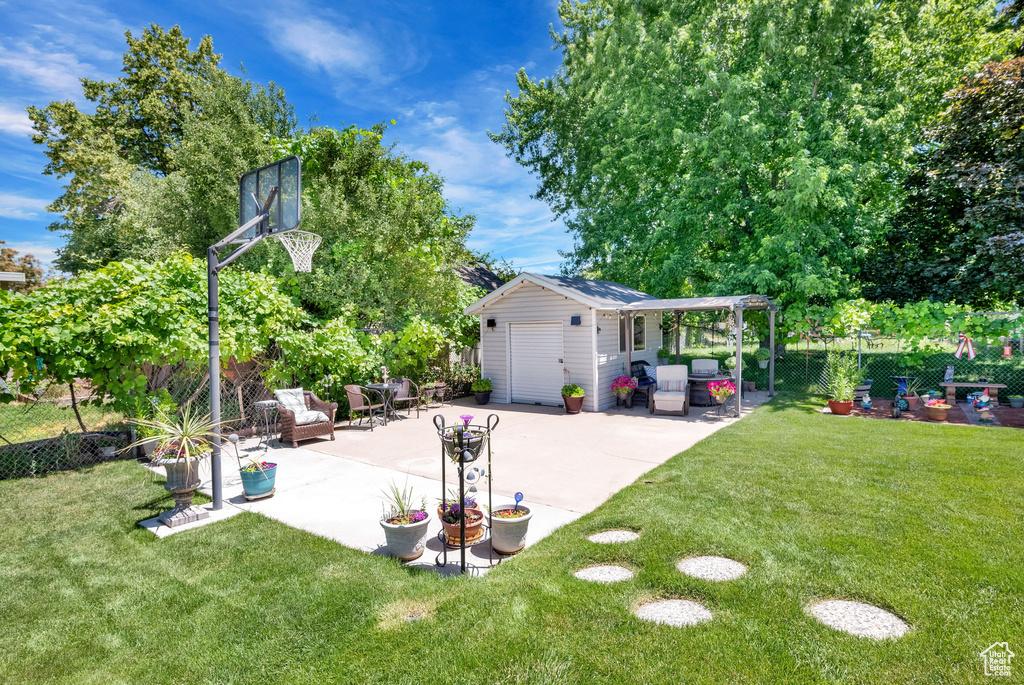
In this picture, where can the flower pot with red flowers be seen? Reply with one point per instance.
(451, 512)
(572, 397)
(622, 388)
(404, 523)
(937, 410)
(509, 525)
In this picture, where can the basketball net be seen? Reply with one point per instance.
(300, 245)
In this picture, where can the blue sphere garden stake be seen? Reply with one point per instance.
(519, 498)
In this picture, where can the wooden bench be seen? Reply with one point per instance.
(993, 390)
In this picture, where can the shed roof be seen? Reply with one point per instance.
(595, 294)
(702, 304)
(478, 274)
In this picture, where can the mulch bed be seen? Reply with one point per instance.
(1005, 415)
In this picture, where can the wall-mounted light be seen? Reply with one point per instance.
(491, 323)
(575, 321)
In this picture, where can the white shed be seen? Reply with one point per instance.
(539, 332)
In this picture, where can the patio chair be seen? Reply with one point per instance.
(699, 393)
(408, 395)
(671, 392)
(359, 402)
(644, 383)
(302, 415)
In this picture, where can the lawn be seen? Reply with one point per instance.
(921, 519)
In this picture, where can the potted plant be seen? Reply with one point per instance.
(1016, 401)
(183, 443)
(481, 388)
(508, 527)
(572, 396)
(909, 393)
(763, 355)
(730, 363)
(936, 410)
(623, 387)
(462, 442)
(451, 512)
(404, 523)
(258, 476)
(841, 378)
(663, 356)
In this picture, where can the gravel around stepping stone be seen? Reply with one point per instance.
(674, 612)
(604, 574)
(857, 618)
(613, 536)
(712, 568)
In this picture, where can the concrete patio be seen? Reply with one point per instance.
(564, 465)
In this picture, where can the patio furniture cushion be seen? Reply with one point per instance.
(704, 366)
(652, 372)
(672, 390)
(294, 400)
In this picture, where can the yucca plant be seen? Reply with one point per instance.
(182, 437)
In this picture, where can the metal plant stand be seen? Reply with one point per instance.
(464, 444)
(267, 407)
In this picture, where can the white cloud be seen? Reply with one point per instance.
(48, 70)
(326, 46)
(20, 207)
(14, 120)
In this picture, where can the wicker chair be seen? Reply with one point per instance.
(408, 395)
(359, 402)
(672, 391)
(644, 383)
(292, 432)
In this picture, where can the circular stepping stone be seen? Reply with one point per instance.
(674, 612)
(712, 568)
(613, 536)
(860, 619)
(604, 574)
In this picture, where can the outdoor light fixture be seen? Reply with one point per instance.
(575, 321)
(491, 323)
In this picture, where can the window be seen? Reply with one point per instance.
(622, 332)
(639, 333)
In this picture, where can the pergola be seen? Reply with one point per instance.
(736, 304)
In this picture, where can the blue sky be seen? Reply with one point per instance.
(439, 69)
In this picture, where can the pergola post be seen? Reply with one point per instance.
(739, 360)
(677, 337)
(771, 346)
(629, 342)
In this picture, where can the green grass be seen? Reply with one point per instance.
(26, 422)
(924, 520)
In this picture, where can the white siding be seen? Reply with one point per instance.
(611, 362)
(532, 303)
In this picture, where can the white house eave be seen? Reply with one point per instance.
(517, 282)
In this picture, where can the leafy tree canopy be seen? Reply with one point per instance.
(958, 237)
(26, 264)
(711, 147)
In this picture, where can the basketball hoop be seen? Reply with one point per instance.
(300, 245)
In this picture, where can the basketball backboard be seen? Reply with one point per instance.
(286, 211)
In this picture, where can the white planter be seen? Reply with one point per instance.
(406, 542)
(508, 536)
(763, 363)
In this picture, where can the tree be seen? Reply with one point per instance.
(957, 236)
(26, 264)
(713, 147)
(115, 158)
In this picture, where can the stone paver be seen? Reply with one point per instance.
(860, 619)
(674, 612)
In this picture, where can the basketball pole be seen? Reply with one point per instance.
(213, 267)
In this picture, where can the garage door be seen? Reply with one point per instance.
(536, 352)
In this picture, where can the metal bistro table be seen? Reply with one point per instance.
(700, 395)
(387, 390)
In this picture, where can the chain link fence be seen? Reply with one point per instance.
(800, 363)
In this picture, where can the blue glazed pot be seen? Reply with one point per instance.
(256, 483)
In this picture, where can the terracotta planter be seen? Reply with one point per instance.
(937, 413)
(508, 536)
(474, 527)
(573, 405)
(840, 408)
(406, 542)
(912, 401)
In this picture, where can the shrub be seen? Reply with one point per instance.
(762, 354)
(481, 385)
(572, 390)
(841, 376)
